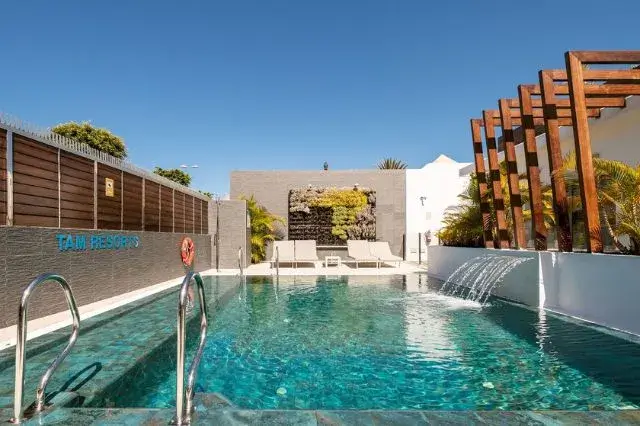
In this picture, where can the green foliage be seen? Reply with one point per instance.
(206, 193)
(618, 189)
(176, 175)
(263, 228)
(345, 205)
(100, 139)
(392, 164)
(463, 226)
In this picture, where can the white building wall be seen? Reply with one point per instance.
(440, 184)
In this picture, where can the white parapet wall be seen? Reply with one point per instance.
(599, 288)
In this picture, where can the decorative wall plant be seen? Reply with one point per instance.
(332, 215)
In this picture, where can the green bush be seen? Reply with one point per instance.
(100, 139)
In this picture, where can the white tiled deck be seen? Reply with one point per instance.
(264, 268)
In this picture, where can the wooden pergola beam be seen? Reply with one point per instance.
(608, 57)
(613, 102)
(538, 228)
(481, 176)
(600, 75)
(554, 152)
(494, 173)
(616, 83)
(562, 113)
(538, 121)
(584, 161)
(513, 180)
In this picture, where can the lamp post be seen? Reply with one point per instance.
(216, 197)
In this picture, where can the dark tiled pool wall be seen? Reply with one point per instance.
(93, 274)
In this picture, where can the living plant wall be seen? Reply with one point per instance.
(331, 216)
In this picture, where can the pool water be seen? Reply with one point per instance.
(389, 343)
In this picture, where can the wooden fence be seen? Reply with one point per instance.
(49, 181)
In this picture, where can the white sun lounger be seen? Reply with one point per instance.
(358, 250)
(381, 250)
(306, 252)
(286, 251)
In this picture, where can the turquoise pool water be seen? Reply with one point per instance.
(351, 344)
(344, 343)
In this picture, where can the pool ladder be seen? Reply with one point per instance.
(18, 415)
(241, 261)
(184, 401)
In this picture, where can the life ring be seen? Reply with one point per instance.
(187, 251)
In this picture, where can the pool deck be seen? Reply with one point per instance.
(265, 268)
(228, 416)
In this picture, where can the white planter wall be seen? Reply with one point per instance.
(603, 289)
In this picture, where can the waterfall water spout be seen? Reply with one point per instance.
(479, 276)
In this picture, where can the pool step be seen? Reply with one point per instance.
(211, 401)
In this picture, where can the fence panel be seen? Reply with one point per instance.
(197, 216)
(3, 177)
(151, 206)
(132, 202)
(188, 214)
(109, 197)
(205, 217)
(178, 212)
(166, 209)
(35, 190)
(76, 191)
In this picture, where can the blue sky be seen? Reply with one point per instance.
(288, 84)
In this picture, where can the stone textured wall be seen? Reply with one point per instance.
(233, 233)
(271, 189)
(26, 252)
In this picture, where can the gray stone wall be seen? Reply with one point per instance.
(93, 275)
(271, 189)
(233, 233)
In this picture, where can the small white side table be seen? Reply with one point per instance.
(332, 261)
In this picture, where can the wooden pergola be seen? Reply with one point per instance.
(562, 98)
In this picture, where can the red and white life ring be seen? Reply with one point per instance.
(187, 251)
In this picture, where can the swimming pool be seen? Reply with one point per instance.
(350, 343)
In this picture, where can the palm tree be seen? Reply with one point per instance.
(618, 189)
(263, 228)
(391, 164)
(463, 225)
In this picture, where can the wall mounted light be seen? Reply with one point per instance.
(422, 198)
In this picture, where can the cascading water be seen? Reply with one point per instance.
(479, 276)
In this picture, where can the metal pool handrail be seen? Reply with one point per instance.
(22, 338)
(183, 411)
(277, 261)
(240, 261)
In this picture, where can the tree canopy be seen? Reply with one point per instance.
(176, 175)
(100, 139)
(392, 164)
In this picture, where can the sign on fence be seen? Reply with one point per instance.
(108, 187)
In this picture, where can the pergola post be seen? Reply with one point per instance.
(494, 172)
(538, 228)
(515, 198)
(584, 160)
(481, 176)
(554, 152)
